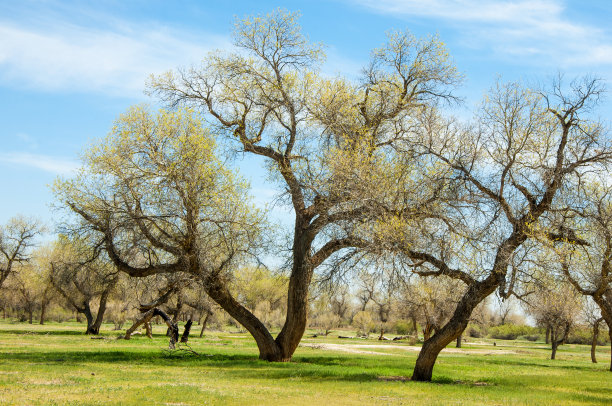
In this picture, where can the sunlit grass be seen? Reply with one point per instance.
(57, 364)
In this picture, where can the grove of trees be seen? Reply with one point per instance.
(405, 218)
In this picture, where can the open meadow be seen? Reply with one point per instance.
(58, 364)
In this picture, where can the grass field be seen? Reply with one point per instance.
(57, 364)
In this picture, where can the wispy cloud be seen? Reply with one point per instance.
(540, 29)
(54, 165)
(112, 59)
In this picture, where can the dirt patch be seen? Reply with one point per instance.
(367, 349)
(394, 378)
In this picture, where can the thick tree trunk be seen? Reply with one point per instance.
(547, 334)
(594, 342)
(297, 299)
(185, 336)
(268, 348)
(30, 316)
(204, 324)
(86, 311)
(459, 341)
(148, 329)
(414, 326)
(426, 360)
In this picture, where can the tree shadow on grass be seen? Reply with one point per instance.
(519, 362)
(45, 332)
(239, 365)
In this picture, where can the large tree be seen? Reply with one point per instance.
(509, 169)
(588, 267)
(156, 199)
(269, 98)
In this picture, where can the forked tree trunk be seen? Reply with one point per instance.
(554, 333)
(297, 299)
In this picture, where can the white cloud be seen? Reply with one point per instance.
(55, 165)
(114, 60)
(539, 29)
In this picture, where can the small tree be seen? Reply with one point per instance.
(82, 276)
(16, 239)
(555, 305)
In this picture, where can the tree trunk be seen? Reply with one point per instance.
(594, 342)
(414, 325)
(86, 311)
(204, 324)
(297, 298)
(95, 327)
(426, 360)
(547, 334)
(148, 328)
(43, 310)
(185, 336)
(30, 316)
(555, 344)
(459, 341)
(427, 331)
(268, 348)
(144, 318)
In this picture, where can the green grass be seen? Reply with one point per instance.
(57, 364)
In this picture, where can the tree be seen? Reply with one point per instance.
(81, 277)
(555, 305)
(269, 99)
(16, 238)
(507, 171)
(432, 300)
(156, 198)
(588, 266)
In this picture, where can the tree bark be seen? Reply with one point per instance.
(476, 292)
(101, 310)
(459, 341)
(594, 342)
(43, 310)
(185, 336)
(297, 299)
(547, 334)
(269, 350)
(204, 324)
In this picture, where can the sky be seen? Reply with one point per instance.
(69, 68)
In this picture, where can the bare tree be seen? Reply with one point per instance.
(82, 276)
(16, 239)
(588, 266)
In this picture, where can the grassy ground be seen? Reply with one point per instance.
(57, 364)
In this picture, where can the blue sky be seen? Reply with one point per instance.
(68, 68)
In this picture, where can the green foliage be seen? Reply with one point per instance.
(402, 327)
(512, 331)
